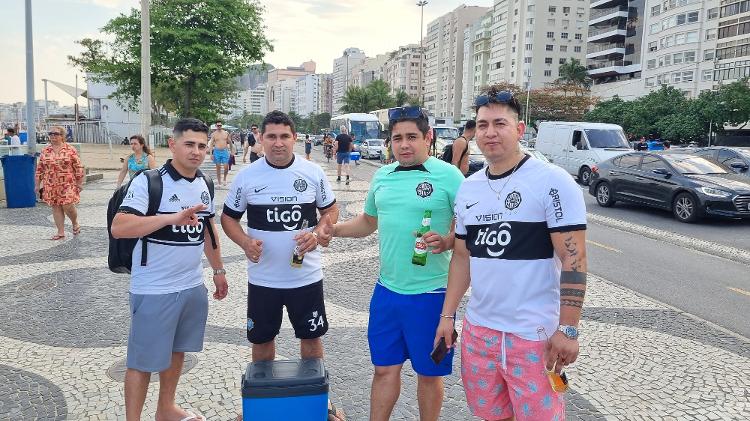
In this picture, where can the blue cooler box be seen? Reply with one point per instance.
(285, 390)
(354, 156)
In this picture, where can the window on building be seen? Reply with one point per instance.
(577, 49)
(564, 35)
(551, 22)
(515, 12)
(548, 73)
(650, 82)
(689, 56)
(652, 46)
(527, 60)
(712, 13)
(691, 37)
(550, 34)
(529, 34)
(566, 10)
(677, 58)
(687, 76)
(676, 77)
(580, 10)
(530, 8)
(529, 47)
(549, 47)
(710, 34)
(552, 9)
(565, 23)
(692, 17)
(678, 39)
(655, 10)
(708, 55)
(579, 36)
(548, 60)
(530, 21)
(654, 28)
(651, 64)
(680, 20)
(707, 75)
(563, 48)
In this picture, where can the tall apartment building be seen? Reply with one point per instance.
(477, 41)
(306, 95)
(733, 43)
(401, 70)
(277, 97)
(342, 67)
(257, 104)
(443, 66)
(615, 46)
(325, 93)
(368, 70)
(679, 46)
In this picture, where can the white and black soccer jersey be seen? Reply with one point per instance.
(515, 276)
(277, 201)
(174, 252)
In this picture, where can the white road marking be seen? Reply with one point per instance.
(603, 246)
(739, 291)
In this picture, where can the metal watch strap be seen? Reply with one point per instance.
(221, 271)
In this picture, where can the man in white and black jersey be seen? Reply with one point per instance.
(168, 302)
(282, 195)
(518, 223)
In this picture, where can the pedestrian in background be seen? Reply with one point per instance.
(59, 180)
(308, 146)
(344, 147)
(140, 159)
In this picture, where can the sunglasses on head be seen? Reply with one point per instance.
(406, 112)
(54, 134)
(502, 97)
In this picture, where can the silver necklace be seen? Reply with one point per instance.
(499, 193)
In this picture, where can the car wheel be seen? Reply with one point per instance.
(584, 176)
(604, 195)
(685, 207)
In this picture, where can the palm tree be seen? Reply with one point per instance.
(356, 100)
(401, 98)
(379, 95)
(574, 73)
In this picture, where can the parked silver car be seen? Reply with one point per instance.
(372, 148)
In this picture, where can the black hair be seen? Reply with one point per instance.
(422, 124)
(186, 124)
(307, 136)
(493, 90)
(11, 130)
(470, 124)
(219, 122)
(253, 125)
(276, 117)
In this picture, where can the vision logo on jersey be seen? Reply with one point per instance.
(300, 185)
(424, 189)
(512, 200)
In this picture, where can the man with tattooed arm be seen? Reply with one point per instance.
(520, 244)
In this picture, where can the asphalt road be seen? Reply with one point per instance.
(703, 284)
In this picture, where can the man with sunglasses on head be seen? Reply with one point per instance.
(518, 223)
(407, 298)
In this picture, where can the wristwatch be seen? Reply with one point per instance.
(221, 271)
(570, 332)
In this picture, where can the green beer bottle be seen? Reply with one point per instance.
(420, 247)
(296, 257)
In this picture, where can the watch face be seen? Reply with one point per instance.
(569, 331)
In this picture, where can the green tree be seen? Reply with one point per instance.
(401, 98)
(297, 119)
(573, 72)
(356, 100)
(323, 120)
(379, 95)
(197, 49)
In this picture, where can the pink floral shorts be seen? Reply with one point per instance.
(504, 376)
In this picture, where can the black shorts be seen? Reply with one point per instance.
(304, 305)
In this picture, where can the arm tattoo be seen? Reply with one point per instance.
(573, 277)
(571, 303)
(571, 246)
(572, 293)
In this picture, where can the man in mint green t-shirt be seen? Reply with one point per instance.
(408, 297)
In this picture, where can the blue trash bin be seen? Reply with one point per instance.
(19, 180)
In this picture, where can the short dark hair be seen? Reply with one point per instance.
(254, 126)
(11, 130)
(492, 91)
(470, 124)
(422, 124)
(276, 117)
(219, 122)
(186, 124)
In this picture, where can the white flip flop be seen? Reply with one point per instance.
(192, 417)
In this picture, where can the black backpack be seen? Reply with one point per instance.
(448, 153)
(120, 256)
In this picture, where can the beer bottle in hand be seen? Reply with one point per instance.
(296, 257)
(420, 247)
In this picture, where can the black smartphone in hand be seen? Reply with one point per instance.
(441, 349)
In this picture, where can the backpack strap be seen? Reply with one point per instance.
(211, 191)
(155, 188)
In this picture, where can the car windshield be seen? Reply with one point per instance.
(691, 164)
(446, 132)
(744, 152)
(607, 138)
(375, 142)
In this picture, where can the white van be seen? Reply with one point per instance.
(577, 146)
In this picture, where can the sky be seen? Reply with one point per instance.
(300, 30)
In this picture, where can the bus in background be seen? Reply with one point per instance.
(363, 126)
(382, 116)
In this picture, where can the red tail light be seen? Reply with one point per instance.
(594, 168)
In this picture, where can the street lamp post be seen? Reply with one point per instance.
(30, 105)
(421, 4)
(146, 72)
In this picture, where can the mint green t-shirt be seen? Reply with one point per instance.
(398, 197)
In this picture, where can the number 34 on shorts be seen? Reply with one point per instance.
(316, 322)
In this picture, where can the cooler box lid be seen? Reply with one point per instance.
(273, 379)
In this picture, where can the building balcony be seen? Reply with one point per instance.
(603, 15)
(607, 34)
(599, 4)
(612, 67)
(606, 50)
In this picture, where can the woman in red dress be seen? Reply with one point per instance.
(59, 177)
